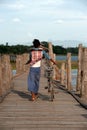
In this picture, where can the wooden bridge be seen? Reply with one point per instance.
(68, 111)
(17, 112)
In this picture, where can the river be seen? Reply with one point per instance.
(62, 57)
(74, 71)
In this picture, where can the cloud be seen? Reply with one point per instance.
(13, 6)
(17, 20)
(59, 21)
(1, 20)
(83, 17)
(71, 19)
(17, 6)
(51, 2)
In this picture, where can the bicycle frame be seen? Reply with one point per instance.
(49, 74)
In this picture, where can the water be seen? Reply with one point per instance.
(14, 72)
(74, 77)
(61, 57)
(74, 71)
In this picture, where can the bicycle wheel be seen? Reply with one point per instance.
(52, 94)
(49, 85)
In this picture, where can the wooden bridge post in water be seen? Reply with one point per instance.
(62, 79)
(68, 71)
(0, 77)
(51, 53)
(84, 75)
(80, 56)
(54, 74)
(53, 56)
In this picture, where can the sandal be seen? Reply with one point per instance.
(33, 97)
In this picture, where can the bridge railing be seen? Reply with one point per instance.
(56, 73)
(81, 79)
(82, 72)
(64, 74)
(5, 75)
(20, 63)
(6, 72)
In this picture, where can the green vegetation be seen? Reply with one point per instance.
(20, 49)
(16, 49)
(13, 65)
(74, 64)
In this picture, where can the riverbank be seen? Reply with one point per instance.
(74, 64)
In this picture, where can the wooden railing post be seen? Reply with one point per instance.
(6, 74)
(25, 59)
(20, 63)
(62, 79)
(84, 74)
(56, 75)
(50, 51)
(0, 77)
(69, 72)
(78, 85)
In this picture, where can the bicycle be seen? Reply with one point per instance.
(49, 76)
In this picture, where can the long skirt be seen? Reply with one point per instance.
(33, 79)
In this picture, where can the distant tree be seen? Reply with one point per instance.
(6, 43)
(73, 50)
(20, 49)
(59, 50)
(45, 44)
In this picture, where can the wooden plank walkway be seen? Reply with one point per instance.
(18, 113)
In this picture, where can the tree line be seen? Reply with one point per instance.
(20, 49)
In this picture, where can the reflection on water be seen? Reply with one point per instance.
(13, 72)
(74, 77)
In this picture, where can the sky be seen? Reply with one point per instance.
(62, 22)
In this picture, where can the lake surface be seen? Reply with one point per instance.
(14, 72)
(61, 57)
(74, 71)
(74, 77)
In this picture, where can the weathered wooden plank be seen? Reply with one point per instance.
(18, 113)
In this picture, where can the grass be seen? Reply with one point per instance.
(74, 64)
(13, 64)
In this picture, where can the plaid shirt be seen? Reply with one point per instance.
(36, 55)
